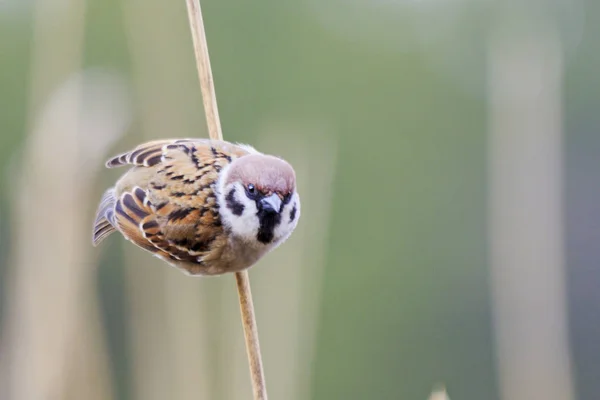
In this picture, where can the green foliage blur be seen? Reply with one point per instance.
(400, 88)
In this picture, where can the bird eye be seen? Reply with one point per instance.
(251, 191)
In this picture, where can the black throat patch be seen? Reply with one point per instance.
(268, 222)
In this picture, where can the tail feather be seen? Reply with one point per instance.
(105, 224)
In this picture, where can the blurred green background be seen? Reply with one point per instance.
(447, 154)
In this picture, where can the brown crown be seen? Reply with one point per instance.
(267, 173)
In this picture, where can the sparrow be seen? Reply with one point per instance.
(204, 206)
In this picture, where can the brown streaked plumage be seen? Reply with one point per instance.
(204, 206)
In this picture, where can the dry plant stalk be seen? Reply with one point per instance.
(214, 131)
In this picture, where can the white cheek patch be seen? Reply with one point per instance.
(238, 212)
(288, 224)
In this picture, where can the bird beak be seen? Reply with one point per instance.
(271, 203)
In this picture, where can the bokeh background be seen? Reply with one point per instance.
(448, 158)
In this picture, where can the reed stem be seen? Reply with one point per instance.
(209, 99)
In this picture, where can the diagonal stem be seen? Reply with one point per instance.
(214, 131)
(209, 96)
(251, 335)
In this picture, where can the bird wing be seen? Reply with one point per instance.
(136, 218)
(170, 207)
(146, 154)
(104, 223)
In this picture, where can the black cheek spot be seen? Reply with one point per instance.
(235, 206)
(293, 213)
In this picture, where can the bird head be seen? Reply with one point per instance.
(258, 201)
